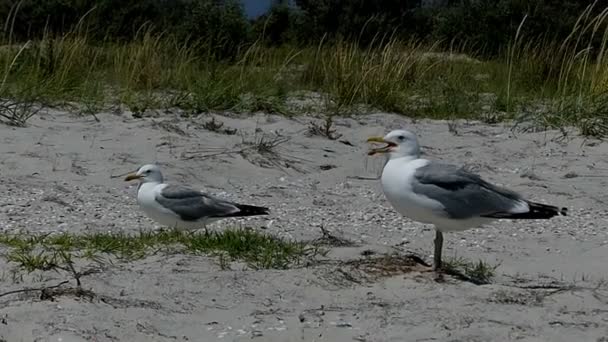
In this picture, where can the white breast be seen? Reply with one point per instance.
(147, 202)
(397, 188)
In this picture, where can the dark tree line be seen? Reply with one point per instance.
(222, 24)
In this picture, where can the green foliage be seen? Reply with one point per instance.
(363, 20)
(116, 19)
(282, 24)
(220, 26)
(488, 26)
(101, 19)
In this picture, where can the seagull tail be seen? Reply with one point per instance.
(544, 211)
(249, 210)
(537, 211)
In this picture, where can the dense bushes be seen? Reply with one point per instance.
(113, 18)
(490, 25)
(222, 24)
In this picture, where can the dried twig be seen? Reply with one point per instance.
(325, 129)
(31, 289)
(363, 178)
(331, 240)
(17, 112)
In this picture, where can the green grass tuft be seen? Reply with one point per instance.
(478, 272)
(259, 251)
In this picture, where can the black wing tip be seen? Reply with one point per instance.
(538, 211)
(547, 209)
(251, 210)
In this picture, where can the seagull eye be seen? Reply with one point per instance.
(401, 138)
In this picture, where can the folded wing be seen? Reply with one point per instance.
(193, 205)
(464, 195)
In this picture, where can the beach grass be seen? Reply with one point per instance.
(479, 272)
(57, 251)
(538, 81)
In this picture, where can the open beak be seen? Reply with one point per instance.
(132, 176)
(383, 149)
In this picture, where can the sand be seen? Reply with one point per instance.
(60, 174)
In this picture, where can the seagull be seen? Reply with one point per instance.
(444, 195)
(181, 207)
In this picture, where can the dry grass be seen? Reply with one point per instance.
(570, 76)
(379, 77)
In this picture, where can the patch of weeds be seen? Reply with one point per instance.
(213, 125)
(16, 112)
(261, 103)
(91, 107)
(451, 102)
(31, 258)
(127, 247)
(479, 273)
(48, 252)
(92, 99)
(218, 127)
(589, 115)
(492, 117)
(266, 144)
(30, 261)
(258, 250)
(263, 150)
(215, 92)
(180, 99)
(324, 129)
(138, 104)
(453, 127)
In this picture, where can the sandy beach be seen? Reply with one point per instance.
(62, 173)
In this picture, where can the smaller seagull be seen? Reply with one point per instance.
(181, 207)
(444, 195)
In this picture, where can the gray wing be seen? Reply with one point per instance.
(192, 205)
(463, 194)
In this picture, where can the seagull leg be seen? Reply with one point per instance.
(438, 247)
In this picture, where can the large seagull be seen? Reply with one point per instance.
(446, 196)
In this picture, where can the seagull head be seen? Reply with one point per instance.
(399, 143)
(146, 173)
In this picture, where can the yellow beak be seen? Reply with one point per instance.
(375, 139)
(132, 176)
(383, 149)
